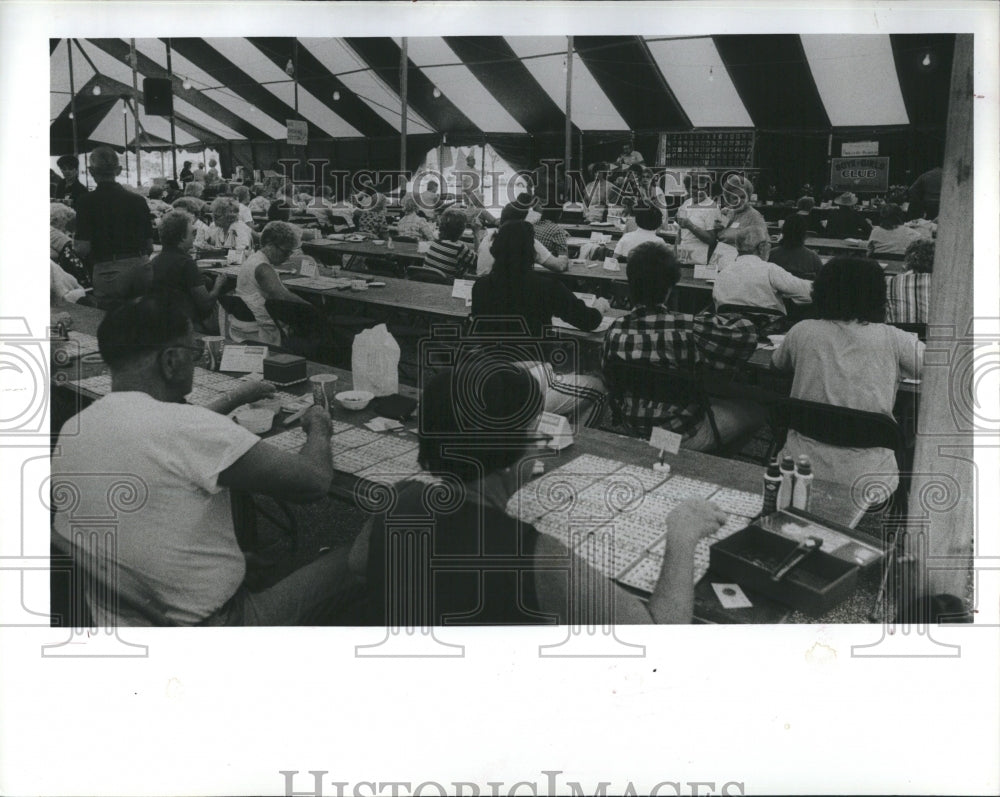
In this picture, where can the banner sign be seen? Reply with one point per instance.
(858, 149)
(298, 132)
(859, 174)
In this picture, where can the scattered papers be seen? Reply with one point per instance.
(606, 322)
(243, 358)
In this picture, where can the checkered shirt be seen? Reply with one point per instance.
(655, 335)
(551, 236)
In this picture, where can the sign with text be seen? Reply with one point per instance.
(298, 132)
(858, 149)
(859, 174)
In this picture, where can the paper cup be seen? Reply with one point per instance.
(324, 387)
(213, 351)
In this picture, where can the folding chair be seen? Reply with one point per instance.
(307, 331)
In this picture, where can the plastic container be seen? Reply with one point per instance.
(772, 484)
(787, 480)
(802, 490)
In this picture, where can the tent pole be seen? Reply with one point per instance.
(125, 133)
(295, 72)
(568, 159)
(72, 96)
(135, 93)
(173, 134)
(403, 89)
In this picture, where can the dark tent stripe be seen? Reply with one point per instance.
(147, 67)
(773, 79)
(925, 89)
(622, 67)
(53, 43)
(206, 58)
(382, 55)
(321, 83)
(502, 73)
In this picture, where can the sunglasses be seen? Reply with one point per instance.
(197, 351)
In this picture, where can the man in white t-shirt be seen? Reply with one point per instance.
(648, 220)
(158, 472)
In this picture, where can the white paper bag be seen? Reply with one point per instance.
(375, 361)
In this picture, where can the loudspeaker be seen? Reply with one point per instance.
(158, 96)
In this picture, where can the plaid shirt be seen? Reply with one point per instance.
(551, 236)
(655, 335)
(909, 298)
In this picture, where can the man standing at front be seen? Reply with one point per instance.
(114, 233)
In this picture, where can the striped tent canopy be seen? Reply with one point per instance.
(509, 91)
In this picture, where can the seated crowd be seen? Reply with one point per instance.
(179, 559)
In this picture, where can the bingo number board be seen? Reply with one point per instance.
(727, 149)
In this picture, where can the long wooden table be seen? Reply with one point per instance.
(828, 499)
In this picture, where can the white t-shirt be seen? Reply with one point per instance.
(175, 534)
(848, 364)
(703, 214)
(484, 259)
(631, 240)
(892, 241)
(752, 282)
(237, 236)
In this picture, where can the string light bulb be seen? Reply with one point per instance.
(187, 84)
(437, 92)
(71, 115)
(336, 96)
(96, 91)
(289, 68)
(927, 59)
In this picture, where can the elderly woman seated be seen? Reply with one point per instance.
(155, 201)
(891, 236)
(261, 201)
(909, 293)
(370, 216)
(512, 575)
(412, 224)
(62, 222)
(227, 231)
(173, 269)
(242, 195)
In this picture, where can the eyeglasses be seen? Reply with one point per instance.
(197, 351)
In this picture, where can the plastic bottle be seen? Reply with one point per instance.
(772, 484)
(803, 484)
(787, 478)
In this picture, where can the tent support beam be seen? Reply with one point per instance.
(173, 131)
(135, 94)
(404, 103)
(568, 158)
(72, 97)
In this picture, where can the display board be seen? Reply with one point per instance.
(723, 149)
(859, 174)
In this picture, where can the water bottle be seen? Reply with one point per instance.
(787, 477)
(803, 484)
(772, 484)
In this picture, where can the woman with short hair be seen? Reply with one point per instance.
(791, 252)
(891, 236)
(412, 224)
(257, 281)
(173, 269)
(449, 254)
(514, 299)
(62, 220)
(514, 574)
(227, 231)
(848, 356)
(909, 293)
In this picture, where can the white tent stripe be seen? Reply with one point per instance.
(856, 79)
(111, 130)
(258, 66)
(337, 57)
(227, 98)
(460, 85)
(697, 76)
(59, 77)
(592, 110)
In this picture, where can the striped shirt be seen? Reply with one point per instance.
(415, 226)
(454, 258)
(656, 335)
(909, 298)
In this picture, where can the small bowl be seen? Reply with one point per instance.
(253, 419)
(378, 242)
(354, 399)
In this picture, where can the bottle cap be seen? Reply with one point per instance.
(773, 470)
(804, 467)
(788, 463)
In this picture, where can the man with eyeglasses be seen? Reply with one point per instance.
(258, 281)
(176, 559)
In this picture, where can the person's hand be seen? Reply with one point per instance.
(684, 222)
(602, 304)
(318, 418)
(248, 391)
(693, 519)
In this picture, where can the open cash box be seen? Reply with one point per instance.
(815, 582)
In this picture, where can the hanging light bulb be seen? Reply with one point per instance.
(96, 91)
(71, 115)
(187, 84)
(289, 68)
(711, 73)
(336, 96)
(437, 92)
(927, 59)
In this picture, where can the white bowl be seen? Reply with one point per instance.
(253, 419)
(354, 399)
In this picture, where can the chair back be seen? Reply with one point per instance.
(836, 426)
(236, 307)
(303, 329)
(428, 274)
(920, 330)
